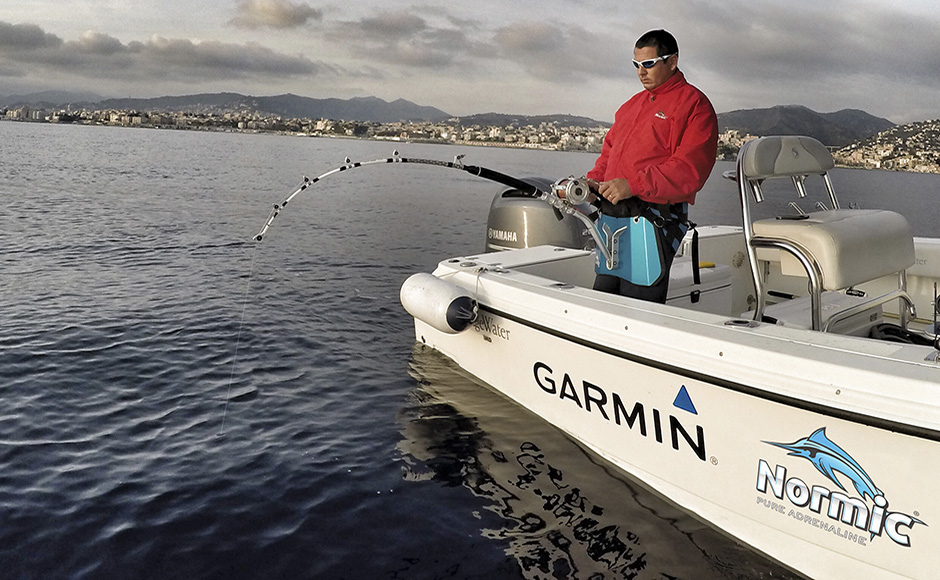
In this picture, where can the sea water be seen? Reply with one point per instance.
(179, 401)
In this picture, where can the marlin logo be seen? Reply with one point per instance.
(829, 459)
(871, 516)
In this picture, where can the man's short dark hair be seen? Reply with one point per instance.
(664, 42)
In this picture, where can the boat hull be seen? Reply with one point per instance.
(679, 403)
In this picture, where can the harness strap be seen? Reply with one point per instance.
(672, 219)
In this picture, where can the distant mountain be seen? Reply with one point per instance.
(179, 103)
(48, 99)
(835, 129)
(859, 122)
(503, 120)
(288, 105)
(365, 109)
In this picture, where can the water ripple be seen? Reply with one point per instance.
(181, 402)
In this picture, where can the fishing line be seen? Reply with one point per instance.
(563, 196)
(238, 339)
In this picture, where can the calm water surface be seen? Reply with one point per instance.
(181, 402)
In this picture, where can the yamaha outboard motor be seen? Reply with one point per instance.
(516, 220)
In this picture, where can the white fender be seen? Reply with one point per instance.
(445, 306)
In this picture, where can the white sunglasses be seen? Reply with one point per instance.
(651, 62)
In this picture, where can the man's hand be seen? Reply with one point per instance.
(615, 190)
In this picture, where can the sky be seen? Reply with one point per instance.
(529, 57)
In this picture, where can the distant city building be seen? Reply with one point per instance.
(914, 147)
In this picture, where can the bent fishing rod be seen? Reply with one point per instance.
(565, 195)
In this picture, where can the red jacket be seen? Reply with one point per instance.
(663, 142)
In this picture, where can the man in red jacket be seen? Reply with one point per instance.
(655, 158)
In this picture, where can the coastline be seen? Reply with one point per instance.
(859, 162)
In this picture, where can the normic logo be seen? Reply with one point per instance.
(868, 512)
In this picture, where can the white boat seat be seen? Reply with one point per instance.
(850, 246)
(835, 249)
(784, 156)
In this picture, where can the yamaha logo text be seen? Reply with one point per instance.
(502, 235)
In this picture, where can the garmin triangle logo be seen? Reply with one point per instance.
(684, 401)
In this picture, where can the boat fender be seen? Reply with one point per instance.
(445, 306)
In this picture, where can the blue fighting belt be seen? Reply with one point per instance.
(634, 249)
(635, 243)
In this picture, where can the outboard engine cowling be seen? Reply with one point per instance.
(517, 220)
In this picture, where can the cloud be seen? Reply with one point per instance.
(394, 25)
(826, 55)
(562, 53)
(404, 38)
(437, 40)
(221, 59)
(805, 41)
(572, 55)
(278, 14)
(26, 37)
(98, 43)
(28, 49)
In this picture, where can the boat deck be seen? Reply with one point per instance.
(726, 288)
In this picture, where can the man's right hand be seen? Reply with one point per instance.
(615, 190)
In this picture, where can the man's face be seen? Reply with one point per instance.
(651, 78)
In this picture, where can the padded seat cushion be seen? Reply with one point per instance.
(850, 246)
(780, 156)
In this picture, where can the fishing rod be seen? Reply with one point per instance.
(564, 195)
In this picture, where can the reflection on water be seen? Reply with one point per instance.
(563, 512)
(122, 296)
(566, 526)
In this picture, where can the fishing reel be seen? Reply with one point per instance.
(573, 190)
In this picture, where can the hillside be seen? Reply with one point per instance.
(504, 120)
(835, 129)
(911, 147)
(287, 105)
(48, 99)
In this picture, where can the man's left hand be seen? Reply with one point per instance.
(615, 190)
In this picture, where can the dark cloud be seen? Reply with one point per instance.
(8, 72)
(879, 57)
(223, 59)
(393, 25)
(406, 39)
(827, 55)
(278, 14)
(26, 37)
(810, 41)
(436, 39)
(97, 55)
(562, 52)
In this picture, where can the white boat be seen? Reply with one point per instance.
(791, 398)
